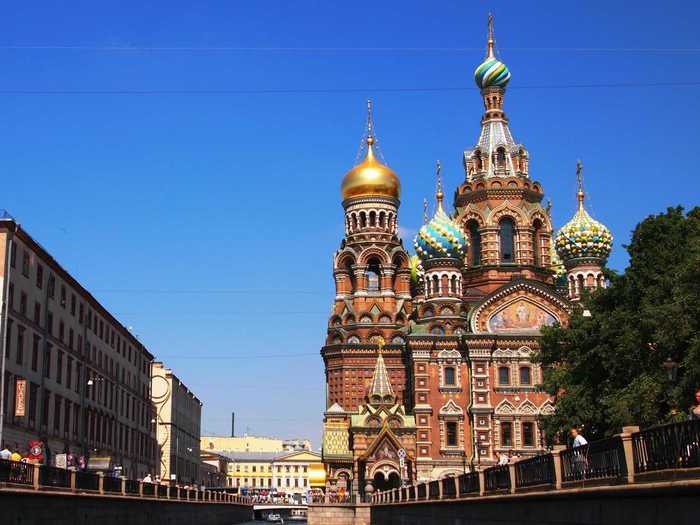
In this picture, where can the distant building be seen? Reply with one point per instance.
(250, 470)
(253, 444)
(178, 422)
(290, 472)
(75, 377)
(213, 469)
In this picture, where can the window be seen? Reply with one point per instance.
(528, 435)
(537, 242)
(506, 435)
(47, 362)
(39, 276)
(35, 353)
(504, 375)
(450, 378)
(69, 372)
(13, 254)
(59, 367)
(63, 295)
(475, 242)
(525, 375)
(72, 304)
(451, 434)
(11, 296)
(25, 263)
(51, 286)
(45, 408)
(507, 235)
(20, 345)
(23, 303)
(373, 273)
(37, 312)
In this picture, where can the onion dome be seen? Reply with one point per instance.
(583, 236)
(491, 72)
(370, 177)
(441, 237)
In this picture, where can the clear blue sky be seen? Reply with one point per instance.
(208, 222)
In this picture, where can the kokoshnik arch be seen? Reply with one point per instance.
(454, 383)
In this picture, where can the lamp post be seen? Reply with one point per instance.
(671, 369)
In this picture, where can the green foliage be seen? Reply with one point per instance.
(607, 370)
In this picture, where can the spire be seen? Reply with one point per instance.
(370, 132)
(425, 211)
(579, 177)
(438, 193)
(490, 42)
(380, 390)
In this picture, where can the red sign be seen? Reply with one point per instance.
(20, 397)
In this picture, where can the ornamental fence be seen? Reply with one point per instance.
(16, 474)
(662, 452)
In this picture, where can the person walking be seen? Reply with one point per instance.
(579, 440)
(580, 459)
(694, 413)
(148, 478)
(5, 453)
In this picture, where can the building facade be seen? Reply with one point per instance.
(248, 443)
(428, 358)
(290, 472)
(214, 469)
(75, 377)
(178, 422)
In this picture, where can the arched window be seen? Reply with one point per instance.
(537, 242)
(504, 375)
(474, 242)
(478, 164)
(453, 285)
(450, 376)
(501, 158)
(382, 217)
(373, 284)
(436, 285)
(363, 219)
(373, 218)
(507, 235)
(525, 375)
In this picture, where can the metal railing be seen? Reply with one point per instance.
(604, 459)
(449, 489)
(468, 483)
(497, 478)
(667, 447)
(16, 472)
(665, 451)
(535, 471)
(112, 484)
(87, 481)
(54, 476)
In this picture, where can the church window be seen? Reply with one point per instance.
(450, 375)
(453, 285)
(373, 275)
(504, 375)
(507, 235)
(506, 435)
(501, 158)
(528, 435)
(373, 218)
(537, 242)
(525, 375)
(436, 285)
(363, 219)
(451, 433)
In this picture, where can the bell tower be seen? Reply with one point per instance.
(372, 280)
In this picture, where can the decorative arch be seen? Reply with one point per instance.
(547, 408)
(373, 251)
(506, 209)
(451, 409)
(505, 408)
(527, 407)
(470, 213)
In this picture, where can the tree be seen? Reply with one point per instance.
(607, 370)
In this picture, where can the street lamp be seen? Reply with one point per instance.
(671, 369)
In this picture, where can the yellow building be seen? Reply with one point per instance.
(250, 470)
(290, 472)
(253, 444)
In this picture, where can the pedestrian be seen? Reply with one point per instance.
(580, 456)
(5, 453)
(579, 440)
(694, 412)
(16, 454)
(148, 478)
(501, 458)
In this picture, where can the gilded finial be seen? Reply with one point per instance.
(579, 178)
(380, 343)
(438, 194)
(491, 42)
(425, 211)
(370, 132)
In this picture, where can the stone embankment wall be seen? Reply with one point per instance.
(674, 503)
(341, 514)
(42, 508)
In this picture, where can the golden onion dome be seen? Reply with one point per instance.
(370, 177)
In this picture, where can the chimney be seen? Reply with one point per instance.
(233, 424)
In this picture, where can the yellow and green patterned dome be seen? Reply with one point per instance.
(440, 238)
(583, 236)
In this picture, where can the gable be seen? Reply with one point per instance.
(520, 308)
(302, 455)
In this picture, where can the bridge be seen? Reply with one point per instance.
(286, 511)
(649, 477)
(42, 494)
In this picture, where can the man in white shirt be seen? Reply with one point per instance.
(5, 453)
(579, 440)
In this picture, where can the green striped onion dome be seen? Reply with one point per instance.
(583, 236)
(440, 238)
(491, 72)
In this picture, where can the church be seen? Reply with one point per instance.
(428, 356)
